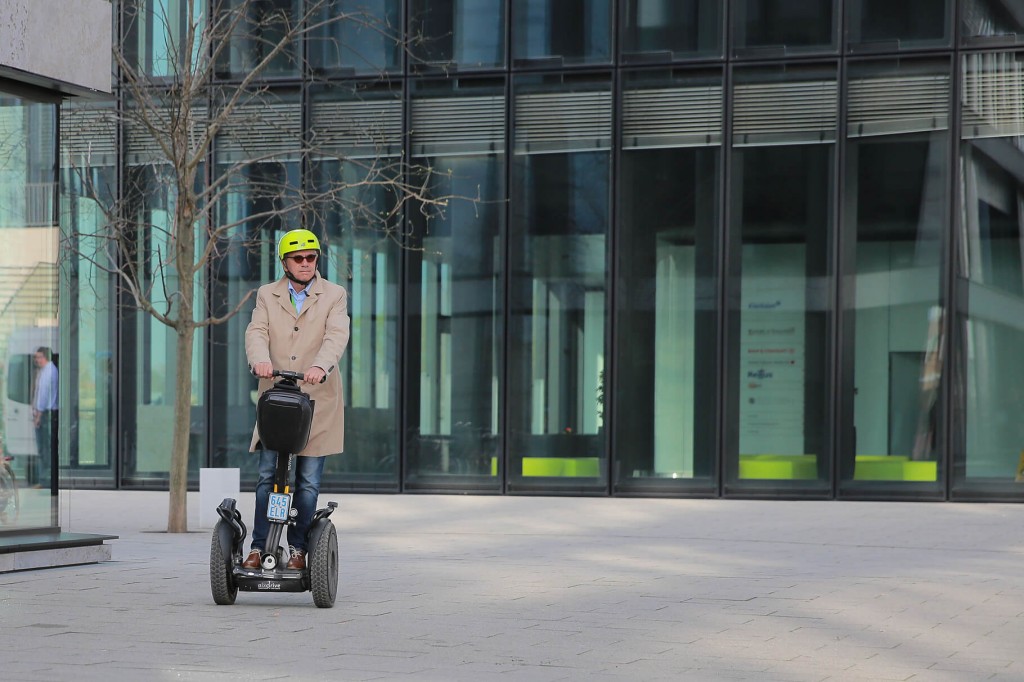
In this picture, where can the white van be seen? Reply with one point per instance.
(19, 438)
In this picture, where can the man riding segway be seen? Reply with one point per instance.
(298, 332)
(300, 324)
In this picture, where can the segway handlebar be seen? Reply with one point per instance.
(288, 374)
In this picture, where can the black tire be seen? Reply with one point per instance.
(323, 568)
(222, 583)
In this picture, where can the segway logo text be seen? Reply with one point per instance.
(269, 586)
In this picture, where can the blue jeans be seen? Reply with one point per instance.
(38, 470)
(308, 472)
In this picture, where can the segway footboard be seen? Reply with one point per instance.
(261, 580)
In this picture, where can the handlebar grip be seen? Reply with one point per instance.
(288, 374)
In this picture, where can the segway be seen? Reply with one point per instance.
(283, 416)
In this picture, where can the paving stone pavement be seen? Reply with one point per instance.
(545, 588)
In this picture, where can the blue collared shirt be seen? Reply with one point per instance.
(298, 297)
(46, 388)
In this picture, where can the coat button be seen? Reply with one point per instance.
(293, 357)
(296, 329)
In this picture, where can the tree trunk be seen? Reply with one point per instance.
(177, 510)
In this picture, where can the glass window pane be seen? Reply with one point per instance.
(886, 26)
(990, 278)
(559, 212)
(88, 164)
(992, 22)
(253, 214)
(783, 160)
(780, 27)
(894, 321)
(667, 30)
(357, 36)
(458, 35)
(258, 28)
(361, 252)
(156, 32)
(667, 323)
(561, 31)
(28, 139)
(453, 348)
(257, 183)
(150, 361)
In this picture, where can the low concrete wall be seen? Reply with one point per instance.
(58, 44)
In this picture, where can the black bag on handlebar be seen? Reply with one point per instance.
(283, 416)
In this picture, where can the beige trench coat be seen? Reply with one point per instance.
(316, 337)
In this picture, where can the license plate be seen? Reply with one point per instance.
(277, 509)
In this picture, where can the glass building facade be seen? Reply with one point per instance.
(746, 249)
(28, 306)
(37, 380)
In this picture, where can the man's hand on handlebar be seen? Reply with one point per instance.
(264, 370)
(315, 375)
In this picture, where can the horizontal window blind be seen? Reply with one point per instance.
(672, 117)
(357, 129)
(261, 132)
(143, 147)
(458, 125)
(797, 112)
(896, 105)
(551, 122)
(88, 137)
(993, 97)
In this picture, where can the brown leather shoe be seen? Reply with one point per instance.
(297, 561)
(254, 560)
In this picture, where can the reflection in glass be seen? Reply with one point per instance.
(666, 328)
(779, 310)
(991, 21)
(28, 138)
(87, 291)
(454, 342)
(894, 322)
(454, 296)
(258, 27)
(254, 213)
(458, 34)
(671, 29)
(156, 32)
(990, 277)
(362, 36)
(361, 254)
(150, 362)
(559, 212)
(360, 134)
(563, 31)
(791, 26)
(883, 25)
(257, 182)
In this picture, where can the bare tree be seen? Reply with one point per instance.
(174, 117)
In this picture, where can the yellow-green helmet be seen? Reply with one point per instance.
(296, 240)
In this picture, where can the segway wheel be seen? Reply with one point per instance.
(222, 583)
(323, 568)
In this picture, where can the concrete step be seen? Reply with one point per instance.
(49, 548)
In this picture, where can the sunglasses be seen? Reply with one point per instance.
(309, 258)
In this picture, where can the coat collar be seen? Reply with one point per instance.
(280, 291)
